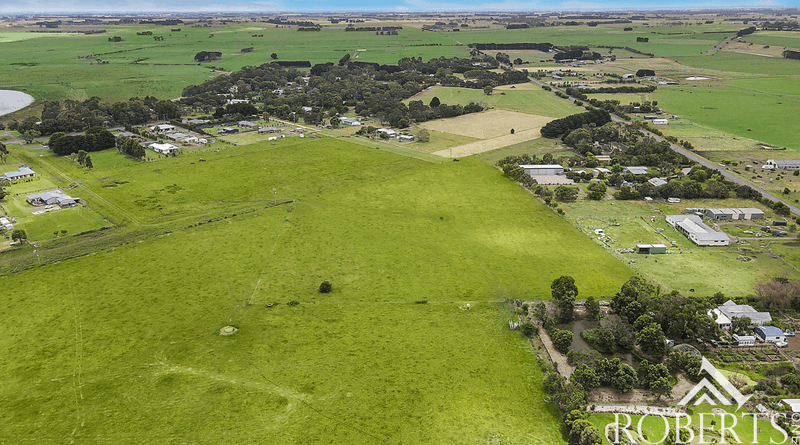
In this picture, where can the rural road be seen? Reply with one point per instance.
(699, 159)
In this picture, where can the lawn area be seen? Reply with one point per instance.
(685, 267)
(527, 98)
(363, 364)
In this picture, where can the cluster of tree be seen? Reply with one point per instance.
(577, 54)
(620, 89)
(115, 39)
(642, 39)
(70, 115)
(95, 139)
(780, 25)
(293, 63)
(789, 54)
(207, 56)
(84, 159)
(642, 306)
(130, 147)
(241, 109)
(746, 31)
(564, 125)
(645, 73)
(517, 26)
(312, 28)
(371, 89)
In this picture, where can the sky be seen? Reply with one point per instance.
(272, 6)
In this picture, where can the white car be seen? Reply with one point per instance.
(781, 344)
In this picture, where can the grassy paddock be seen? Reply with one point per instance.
(362, 364)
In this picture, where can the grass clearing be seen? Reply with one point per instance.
(488, 124)
(526, 97)
(363, 363)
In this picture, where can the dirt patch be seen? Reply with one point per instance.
(489, 124)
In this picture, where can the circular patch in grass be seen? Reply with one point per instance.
(228, 330)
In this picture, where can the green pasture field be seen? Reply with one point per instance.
(687, 40)
(538, 146)
(774, 38)
(686, 266)
(363, 364)
(527, 98)
(742, 63)
(653, 426)
(745, 114)
(141, 66)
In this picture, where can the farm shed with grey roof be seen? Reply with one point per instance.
(733, 310)
(784, 164)
(697, 231)
(51, 197)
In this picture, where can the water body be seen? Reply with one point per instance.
(11, 101)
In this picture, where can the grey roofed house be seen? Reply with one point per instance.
(785, 164)
(692, 227)
(733, 310)
(24, 171)
(127, 134)
(657, 182)
(247, 124)
(177, 136)
(198, 121)
(635, 170)
(269, 130)
(596, 172)
(51, 197)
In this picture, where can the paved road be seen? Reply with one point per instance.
(702, 161)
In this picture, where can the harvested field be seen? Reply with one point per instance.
(490, 144)
(489, 124)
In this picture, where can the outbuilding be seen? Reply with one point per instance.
(697, 231)
(649, 249)
(744, 340)
(635, 170)
(543, 169)
(769, 334)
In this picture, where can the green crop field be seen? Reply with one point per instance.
(527, 98)
(139, 324)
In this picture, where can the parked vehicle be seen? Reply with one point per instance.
(788, 334)
(781, 344)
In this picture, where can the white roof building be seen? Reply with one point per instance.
(543, 169)
(635, 170)
(722, 320)
(733, 310)
(657, 182)
(697, 231)
(785, 164)
(164, 149)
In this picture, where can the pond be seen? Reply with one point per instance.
(11, 101)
